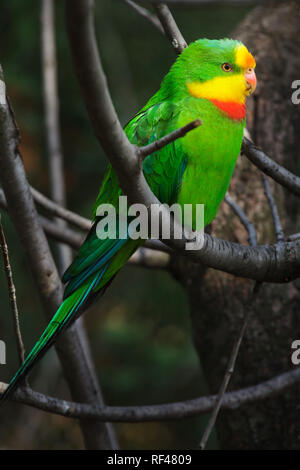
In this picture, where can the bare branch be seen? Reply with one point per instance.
(153, 255)
(170, 27)
(270, 167)
(51, 228)
(170, 411)
(143, 152)
(63, 235)
(150, 258)
(12, 294)
(51, 105)
(230, 369)
(274, 209)
(252, 236)
(294, 236)
(146, 14)
(59, 211)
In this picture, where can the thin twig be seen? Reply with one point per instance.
(12, 294)
(167, 139)
(170, 27)
(230, 368)
(274, 209)
(146, 14)
(252, 236)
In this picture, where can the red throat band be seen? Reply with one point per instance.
(232, 109)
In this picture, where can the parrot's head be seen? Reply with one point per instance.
(222, 71)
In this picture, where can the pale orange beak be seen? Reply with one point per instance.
(251, 81)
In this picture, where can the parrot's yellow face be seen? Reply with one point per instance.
(233, 83)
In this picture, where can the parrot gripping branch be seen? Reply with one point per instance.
(262, 263)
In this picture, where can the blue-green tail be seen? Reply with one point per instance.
(65, 315)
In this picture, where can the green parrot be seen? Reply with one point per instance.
(210, 80)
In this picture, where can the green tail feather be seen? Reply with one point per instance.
(61, 320)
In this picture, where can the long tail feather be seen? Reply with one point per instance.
(65, 315)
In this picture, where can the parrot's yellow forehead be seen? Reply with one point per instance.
(243, 58)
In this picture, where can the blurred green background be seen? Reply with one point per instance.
(140, 331)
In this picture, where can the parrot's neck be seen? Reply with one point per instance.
(236, 111)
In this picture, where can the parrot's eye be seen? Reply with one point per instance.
(227, 67)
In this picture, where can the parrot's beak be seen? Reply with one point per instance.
(251, 81)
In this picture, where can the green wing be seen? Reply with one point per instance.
(163, 171)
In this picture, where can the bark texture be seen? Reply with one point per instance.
(216, 299)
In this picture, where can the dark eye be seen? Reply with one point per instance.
(227, 67)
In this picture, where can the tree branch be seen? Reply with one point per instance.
(252, 236)
(12, 294)
(274, 209)
(51, 107)
(170, 27)
(270, 167)
(146, 14)
(153, 255)
(59, 211)
(72, 351)
(143, 152)
(170, 411)
(149, 258)
(230, 369)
